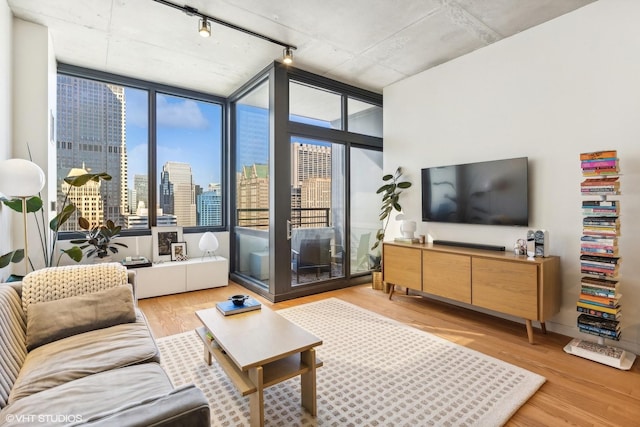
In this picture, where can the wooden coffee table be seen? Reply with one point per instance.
(258, 349)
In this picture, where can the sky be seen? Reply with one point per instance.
(188, 131)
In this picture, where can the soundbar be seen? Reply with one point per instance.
(469, 245)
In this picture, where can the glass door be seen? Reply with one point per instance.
(317, 211)
(365, 206)
(252, 180)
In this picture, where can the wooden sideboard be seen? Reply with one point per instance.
(494, 280)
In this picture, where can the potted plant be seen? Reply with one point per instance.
(390, 190)
(99, 239)
(49, 235)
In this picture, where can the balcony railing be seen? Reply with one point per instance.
(300, 217)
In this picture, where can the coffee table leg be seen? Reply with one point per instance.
(256, 400)
(308, 382)
(207, 355)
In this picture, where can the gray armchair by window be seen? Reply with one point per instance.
(313, 254)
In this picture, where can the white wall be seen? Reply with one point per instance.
(568, 86)
(33, 104)
(5, 120)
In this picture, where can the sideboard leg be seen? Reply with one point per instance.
(391, 288)
(529, 330)
(543, 327)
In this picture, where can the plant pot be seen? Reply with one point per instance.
(376, 280)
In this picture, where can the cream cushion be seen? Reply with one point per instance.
(54, 320)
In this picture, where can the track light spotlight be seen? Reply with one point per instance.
(204, 28)
(287, 55)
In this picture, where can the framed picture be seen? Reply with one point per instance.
(178, 251)
(163, 237)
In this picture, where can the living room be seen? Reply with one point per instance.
(549, 93)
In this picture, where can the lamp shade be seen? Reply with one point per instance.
(208, 242)
(20, 178)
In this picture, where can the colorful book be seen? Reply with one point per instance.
(603, 301)
(601, 212)
(228, 307)
(597, 281)
(608, 288)
(609, 162)
(601, 220)
(612, 233)
(599, 272)
(613, 335)
(590, 306)
(592, 172)
(599, 292)
(598, 251)
(599, 322)
(601, 259)
(599, 313)
(601, 203)
(601, 240)
(604, 154)
(610, 180)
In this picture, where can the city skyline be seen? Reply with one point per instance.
(107, 126)
(186, 129)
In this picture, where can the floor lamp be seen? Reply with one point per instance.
(21, 179)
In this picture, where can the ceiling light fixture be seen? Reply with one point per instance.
(204, 28)
(287, 55)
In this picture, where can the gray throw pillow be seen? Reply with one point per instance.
(53, 320)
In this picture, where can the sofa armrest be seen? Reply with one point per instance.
(183, 406)
(131, 279)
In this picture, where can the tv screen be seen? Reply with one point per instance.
(493, 192)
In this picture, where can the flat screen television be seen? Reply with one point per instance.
(493, 192)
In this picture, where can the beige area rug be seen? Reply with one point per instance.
(377, 372)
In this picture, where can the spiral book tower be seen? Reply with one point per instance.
(599, 301)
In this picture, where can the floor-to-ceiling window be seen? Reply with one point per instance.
(188, 162)
(317, 210)
(365, 206)
(162, 146)
(315, 126)
(251, 181)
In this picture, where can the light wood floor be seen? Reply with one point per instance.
(577, 392)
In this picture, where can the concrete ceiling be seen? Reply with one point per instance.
(366, 43)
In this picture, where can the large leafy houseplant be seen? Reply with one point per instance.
(49, 235)
(390, 190)
(98, 239)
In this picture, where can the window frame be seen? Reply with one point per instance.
(153, 89)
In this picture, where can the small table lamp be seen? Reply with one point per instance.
(21, 179)
(208, 244)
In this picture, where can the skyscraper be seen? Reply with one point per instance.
(87, 199)
(177, 193)
(91, 135)
(253, 196)
(141, 191)
(310, 184)
(309, 161)
(210, 206)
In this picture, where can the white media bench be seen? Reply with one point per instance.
(181, 276)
